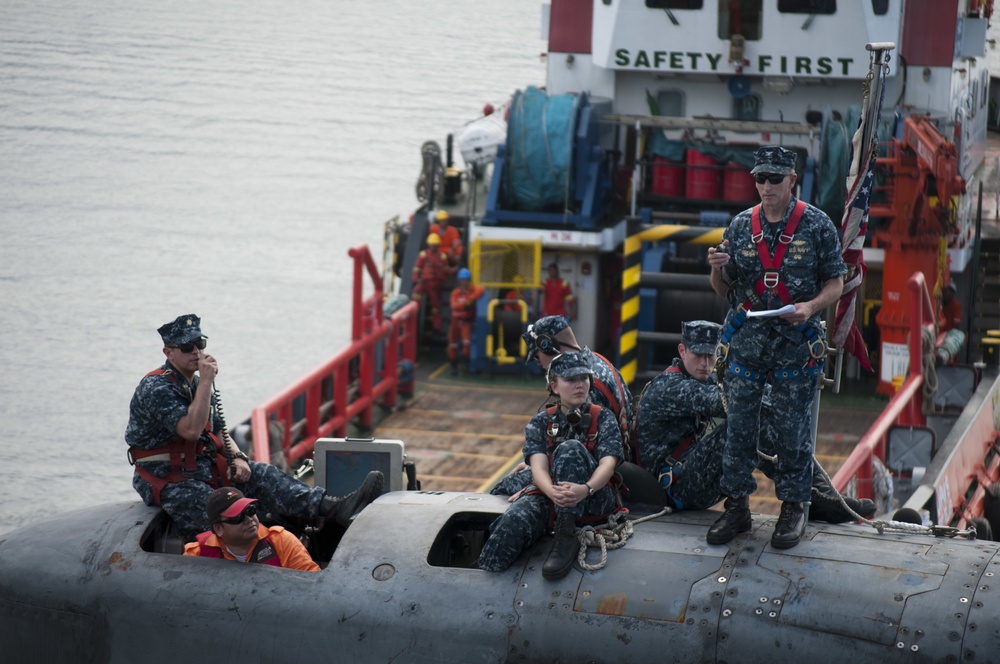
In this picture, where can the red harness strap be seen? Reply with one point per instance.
(183, 456)
(590, 442)
(772, 262)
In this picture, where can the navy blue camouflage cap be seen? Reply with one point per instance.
(541, 335)
(774, 159)
(181, 330)
(568, 365)
(700, 336)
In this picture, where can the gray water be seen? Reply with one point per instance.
(220, 158)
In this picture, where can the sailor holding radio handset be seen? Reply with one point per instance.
(181, 450)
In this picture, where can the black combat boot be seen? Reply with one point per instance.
(564, 549)
(735, 520)
(342, 509)
(826, 504)
(790, 527)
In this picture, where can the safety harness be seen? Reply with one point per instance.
(685, 443)
(771, 281)
(617, 405)
(588, 421)
(263, 552)
(182, 454)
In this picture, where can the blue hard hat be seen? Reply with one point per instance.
(464, 273)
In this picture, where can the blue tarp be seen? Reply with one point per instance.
(540, 132)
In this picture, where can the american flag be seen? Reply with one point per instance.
(854, 225)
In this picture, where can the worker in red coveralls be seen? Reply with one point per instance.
(557, 296)
(463, 313)
(951, 309)
(451, 243)
(429, 274)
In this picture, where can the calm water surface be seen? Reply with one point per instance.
(217, 158)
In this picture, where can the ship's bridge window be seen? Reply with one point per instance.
(807, 6)
(742, 18)
(669, 103)
(747, 108)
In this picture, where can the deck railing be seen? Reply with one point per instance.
(905, 407)
(344, 389)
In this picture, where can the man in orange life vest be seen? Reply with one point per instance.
(463, 314)
(557, 296)
(181, 450)
(429, 273)
(236, 534)
(781, 253)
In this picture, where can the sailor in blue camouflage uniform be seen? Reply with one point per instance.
(781, 252)
(676, 437)
(573, 449)
(681, 438)
(182, 452)
(548, 337)
(552, 335)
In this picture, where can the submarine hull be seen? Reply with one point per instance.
(91, 586)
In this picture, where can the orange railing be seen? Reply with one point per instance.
(904, 408)
(345, 388)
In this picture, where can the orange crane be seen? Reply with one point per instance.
(921, 171)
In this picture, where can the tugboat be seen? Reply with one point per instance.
(620, 172)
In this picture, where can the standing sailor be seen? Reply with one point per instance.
(782, 252)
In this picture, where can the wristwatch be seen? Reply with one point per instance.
(590, 489)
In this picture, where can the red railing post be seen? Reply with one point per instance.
(905, 407)
(357, 379)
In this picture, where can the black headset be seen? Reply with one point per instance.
(543, 342)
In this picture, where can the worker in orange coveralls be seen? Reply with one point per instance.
(557, 296)
(429, 274)
(463, 313)
(451, 242)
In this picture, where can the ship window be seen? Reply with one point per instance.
(669, 103)
(747, 108)
(675, 4)
(744, 21)
(880, 7)
(807, 6)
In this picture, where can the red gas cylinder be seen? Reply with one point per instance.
(703, 176)
(668, 177)
(738, 184)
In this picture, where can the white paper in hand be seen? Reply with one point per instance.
(787, 309)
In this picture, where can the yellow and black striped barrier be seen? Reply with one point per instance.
(636, 234)
(628, 342)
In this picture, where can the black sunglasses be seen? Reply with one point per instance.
(250, 511)
(198, 343)
(761, 178)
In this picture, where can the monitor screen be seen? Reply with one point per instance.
(341, 465)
